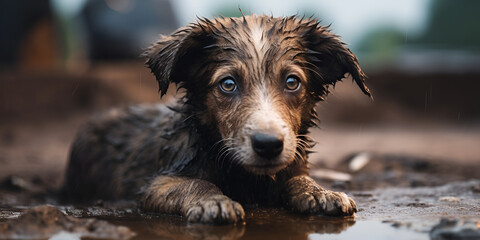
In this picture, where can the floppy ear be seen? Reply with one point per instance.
(331, 58)
(172, 57)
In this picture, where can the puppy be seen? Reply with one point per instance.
(239, 133)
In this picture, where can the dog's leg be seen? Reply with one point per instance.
(198, 200)
(304, 195)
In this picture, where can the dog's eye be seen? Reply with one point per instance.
(292, 83)
(228, 85)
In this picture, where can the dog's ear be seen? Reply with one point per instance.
(331, 58)
(172, 57)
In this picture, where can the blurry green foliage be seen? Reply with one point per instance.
(382, 44)
(452, 25)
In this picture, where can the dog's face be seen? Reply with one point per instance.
(257, 79)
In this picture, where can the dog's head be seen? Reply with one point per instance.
(256, 79)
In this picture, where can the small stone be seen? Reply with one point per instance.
(418, 204)
(475, 188)
(363, 194)
(359, 161)
(455, 229)
(326, 174)
(448, 199)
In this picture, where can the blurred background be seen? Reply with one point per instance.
(62, 61)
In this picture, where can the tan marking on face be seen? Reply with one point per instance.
(258, 39)
(266, 118)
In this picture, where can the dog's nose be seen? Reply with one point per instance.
(266, 145)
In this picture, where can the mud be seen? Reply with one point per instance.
(454, 229)
(42, 222)
(390, 207)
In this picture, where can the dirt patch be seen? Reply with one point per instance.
(454, 229)
(409, 211)
(397, 194)
(368, 171)
(48, 221)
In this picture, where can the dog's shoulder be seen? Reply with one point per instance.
(136, 142)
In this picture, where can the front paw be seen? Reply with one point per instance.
(323, 202)
(305, 196)
(216, 209)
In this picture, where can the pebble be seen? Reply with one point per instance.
(455, 229)
(330, 175)
(448, 199)
(359, 161)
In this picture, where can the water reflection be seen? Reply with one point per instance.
(260, 224)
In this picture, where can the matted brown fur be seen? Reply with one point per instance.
(201, 157)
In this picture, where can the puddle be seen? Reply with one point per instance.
(267, 224)
(102, 223)
(373, 230)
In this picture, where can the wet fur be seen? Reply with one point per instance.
(193, 158)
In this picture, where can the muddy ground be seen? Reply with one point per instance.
(406, 171)
(398, 197)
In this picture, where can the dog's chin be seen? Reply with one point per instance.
(268, 170)
(260, 166)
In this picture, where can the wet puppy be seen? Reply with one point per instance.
(237, 136)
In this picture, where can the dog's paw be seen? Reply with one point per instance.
(305, 196)
(217, 209)
(323, 202)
